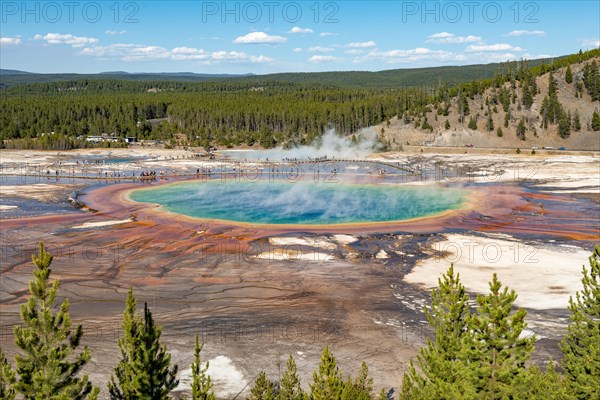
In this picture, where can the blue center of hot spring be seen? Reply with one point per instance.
(301, 202)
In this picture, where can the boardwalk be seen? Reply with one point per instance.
(148, 170)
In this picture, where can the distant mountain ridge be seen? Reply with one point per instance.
(379, 79)
(11, 77)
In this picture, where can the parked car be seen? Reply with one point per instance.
(562, 148)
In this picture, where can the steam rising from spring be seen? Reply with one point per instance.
(330, 145)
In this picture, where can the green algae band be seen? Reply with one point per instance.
(300, 203)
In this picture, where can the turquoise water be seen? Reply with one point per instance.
(301, 202)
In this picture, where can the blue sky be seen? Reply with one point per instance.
(278, 36)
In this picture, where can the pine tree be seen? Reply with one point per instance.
(290, 383)
(441, 362)
(327, 383)
(527, 95)
(581, 345)
(7, 378)
(122, 384)
(564, 125)
(382, 395)
(551, 109)
(447, 125)
(360, 388)
(568, 75)
(490, 122)
(349, 392)
(144, 370)
(263, 388)
(201, 384)
(157, 378)
(591, 79)
(545, 385)
(498, 353)
(521, 128)
(48, 367)
(576, 122)
(472, 124)
(595, 121)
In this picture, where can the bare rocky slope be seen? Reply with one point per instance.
(401, 132)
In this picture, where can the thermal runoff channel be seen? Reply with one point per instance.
(301, 202)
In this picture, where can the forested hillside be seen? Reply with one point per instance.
(267, 112)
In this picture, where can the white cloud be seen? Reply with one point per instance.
(114, 33)
(189, 53)
(430, 57)
(591, 43)
(493, 47)
(410, 55)
(320, 59)
(259, 38)
(58, 38)
(319, 49)
(497, 57)
(370, 43)
(237, 56)
(525, 33)
(10, 40)
(137, 52)
(297, 29)
(297, 50)
(354, 51)
(447, 38)
(128, 52)
(323, 34)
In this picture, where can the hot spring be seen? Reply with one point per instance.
(303, 203)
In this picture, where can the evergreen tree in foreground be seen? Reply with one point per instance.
(440, 362)
(545, 385)
(7, 378)
(122, 383)
(290, 383)
(263, 388)
(361, 388)
(498, 353)
(48, 367)
(581, 345)
(201, 384)
(144, 370)
(327, 383)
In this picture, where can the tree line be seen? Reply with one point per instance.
(475, 354)
(270, 116)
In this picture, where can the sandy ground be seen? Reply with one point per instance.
(360, 291)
